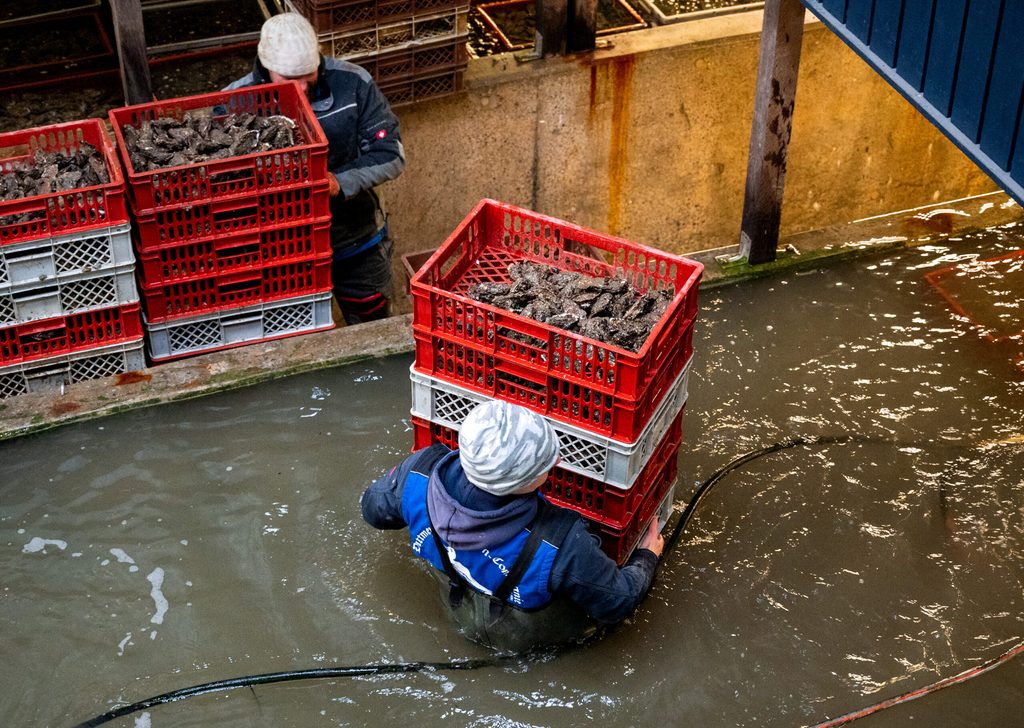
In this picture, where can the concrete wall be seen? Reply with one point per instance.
(648, 140)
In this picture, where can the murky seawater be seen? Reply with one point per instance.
(221, 537)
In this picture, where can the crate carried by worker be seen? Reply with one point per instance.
(593, 332)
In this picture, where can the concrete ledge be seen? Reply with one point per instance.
(204, 374)
(895, 230)
(233, 368)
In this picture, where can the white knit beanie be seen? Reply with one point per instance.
(504, 447)
(288, 45)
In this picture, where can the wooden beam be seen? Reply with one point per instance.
(582, 35)
(781, 40)
(130, 39)
(552, 20)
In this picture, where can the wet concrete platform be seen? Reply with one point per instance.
(232, 368)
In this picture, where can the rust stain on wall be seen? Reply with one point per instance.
(618, 147)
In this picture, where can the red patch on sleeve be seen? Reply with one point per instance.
(382, 133)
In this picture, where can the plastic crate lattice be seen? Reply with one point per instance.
(288, 318)
(197, 336)
(95, 367)
(88, 293)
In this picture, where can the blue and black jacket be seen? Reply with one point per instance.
(483, 536)
(364, 148)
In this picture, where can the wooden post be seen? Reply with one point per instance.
(582, 26)
(131, 51)
(552, 19)
(781, 39)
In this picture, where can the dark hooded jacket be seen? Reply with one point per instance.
(468, 517)
(364, 147)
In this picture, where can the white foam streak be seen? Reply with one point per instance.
(156, 578)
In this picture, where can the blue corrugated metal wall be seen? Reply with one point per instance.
(960, 62)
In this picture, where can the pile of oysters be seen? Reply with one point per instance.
(607, 309)
(170, 142)
(54, 171)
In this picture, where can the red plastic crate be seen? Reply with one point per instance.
(619, 543)
(303, 164)
(332, 16)
(59, 213)
(68, 334)
(218, 292)
(211, 220)
(252, 249)
(613, 508)
(494, 235)
(498, 375)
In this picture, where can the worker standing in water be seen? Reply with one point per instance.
(364, 149)
(516, 571)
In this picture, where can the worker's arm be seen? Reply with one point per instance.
(381, 503)
(584, 573)
(381, 155)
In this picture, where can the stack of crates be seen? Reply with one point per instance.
(413, 49)
(69, 307)
(237, 250)
(618, 413)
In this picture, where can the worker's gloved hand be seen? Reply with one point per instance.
(653, 540)
(333, 188)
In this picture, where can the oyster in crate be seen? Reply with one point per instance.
(607, 309)
(195, 138)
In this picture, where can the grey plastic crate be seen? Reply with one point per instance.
(612, 462)
(663, 18)
(70, 294)
(246, 325)
(53, 259)
(57, 372)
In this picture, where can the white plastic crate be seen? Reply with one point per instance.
(245, 325)
(69, 294)
(54, 258)
(54, 373)
(612, 462)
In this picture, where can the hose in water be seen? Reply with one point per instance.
(670, 542)
(276, 677)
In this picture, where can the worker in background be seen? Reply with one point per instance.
(516, 571)
(364, 150)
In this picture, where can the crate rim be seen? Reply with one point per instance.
(417, 282)
(122, 148)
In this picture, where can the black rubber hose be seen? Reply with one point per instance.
(404, 667)
(276, 677)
